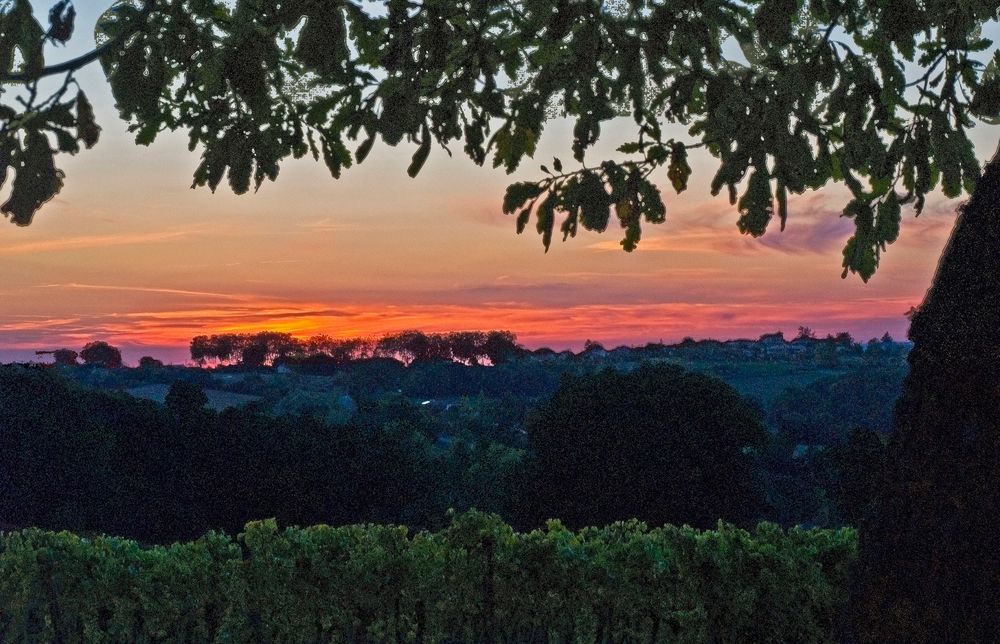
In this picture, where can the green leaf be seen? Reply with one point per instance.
(678, 171)
(630, 148)
(545, 219)
(147, 134)
(67, 142)
(364, 149)
(888, 220)
(633, 232)
(335, 155)
(26, 35)
(519, 193)
(420, 156)
(782, 197)
(986, 100)
(756, 205)
(653, 209)
(87, 129)
(625, 211)
(522, 219)
(213, 164)
(61, 18)
(37, 179)
(244, 65)
(594, 202)
(240, 168)
(129, 83)
(860, 251)
(512, 143)
(267, 153)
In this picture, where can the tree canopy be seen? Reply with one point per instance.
(660, 444)
(877, 95)
(101, 353)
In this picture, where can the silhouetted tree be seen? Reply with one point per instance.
(149, 362)
(930, 548)
(101, 353)
(500, 346)
(805, 333)
(660, 444)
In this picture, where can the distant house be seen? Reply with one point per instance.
(770, 339)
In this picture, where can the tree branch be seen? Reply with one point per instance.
(61, 68)
(78, 62)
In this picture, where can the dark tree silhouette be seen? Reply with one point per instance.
(931, 549)
(102, 354)
(660, 444)
(149, 362)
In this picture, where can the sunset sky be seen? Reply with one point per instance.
(128, 253)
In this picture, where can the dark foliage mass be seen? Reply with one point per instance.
(402, 443)
(823, 412)
(931, 548)
(95, 461)
(102, 354)
(659, 444)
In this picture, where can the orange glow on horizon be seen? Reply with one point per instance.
(557, 327)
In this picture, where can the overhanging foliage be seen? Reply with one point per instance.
(877, 95)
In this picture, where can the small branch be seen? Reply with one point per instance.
(62, 68)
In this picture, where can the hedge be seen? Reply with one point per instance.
(476, 580)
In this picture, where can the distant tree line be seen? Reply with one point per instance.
(270, 347)
(98, 353)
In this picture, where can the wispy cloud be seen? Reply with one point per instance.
(88, 241)
(813, 227)
(144, 289)
(326, 225)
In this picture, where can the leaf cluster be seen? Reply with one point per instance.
(33, 130)
(824, 92)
